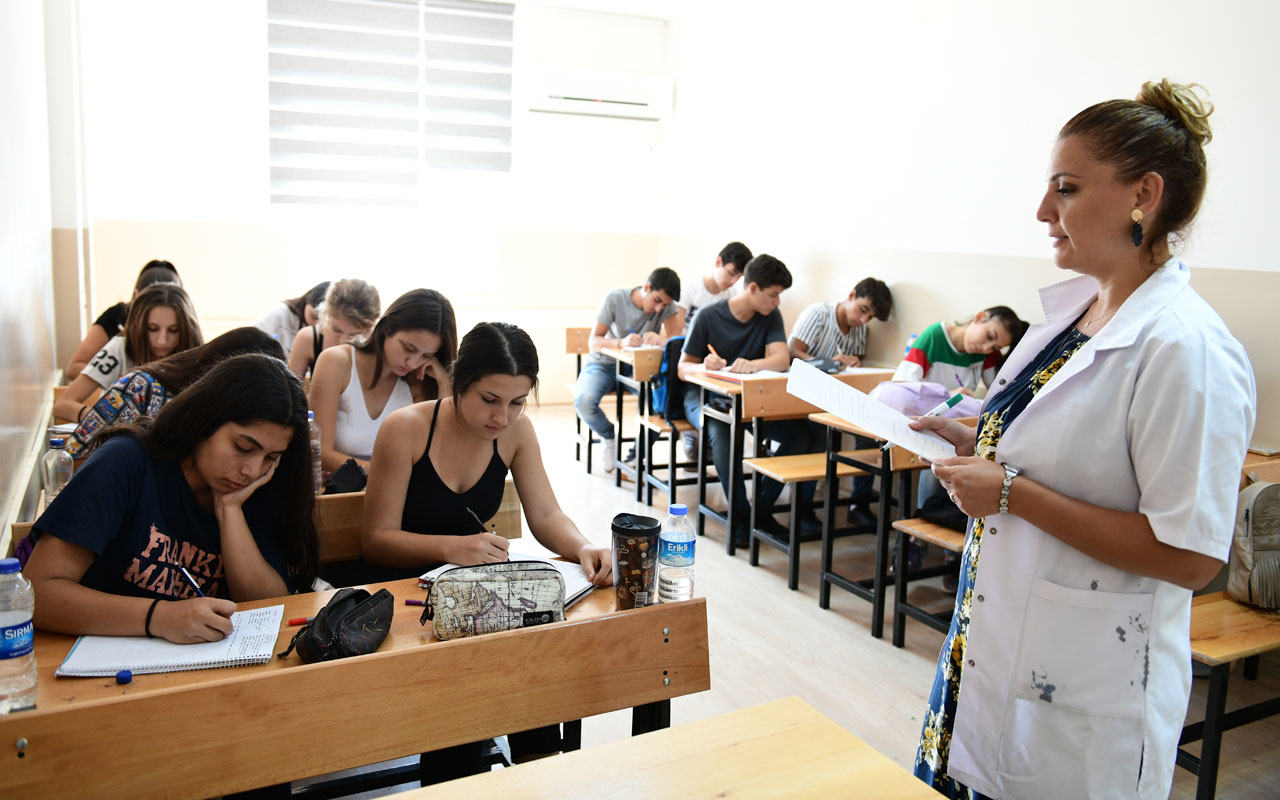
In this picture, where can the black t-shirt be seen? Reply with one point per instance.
(112, 320)
(716, 325)
(141, 519)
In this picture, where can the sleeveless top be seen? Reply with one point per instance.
(356, 431)
(432, 507)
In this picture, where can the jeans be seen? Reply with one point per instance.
(594, 382)
(793, 437)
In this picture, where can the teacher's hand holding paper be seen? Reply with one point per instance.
(957, 433)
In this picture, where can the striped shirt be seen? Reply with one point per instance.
(818, 329)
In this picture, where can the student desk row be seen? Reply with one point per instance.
(205, 733)
(754, 401)
(781, 749)
(634, 368)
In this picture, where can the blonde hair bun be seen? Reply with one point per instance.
(1181, 103)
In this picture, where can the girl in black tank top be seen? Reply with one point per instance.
(432, 507)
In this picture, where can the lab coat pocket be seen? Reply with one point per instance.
(1075, 718)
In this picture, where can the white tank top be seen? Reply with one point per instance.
(356, 430)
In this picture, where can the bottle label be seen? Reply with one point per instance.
(675, 554)
(17, 640)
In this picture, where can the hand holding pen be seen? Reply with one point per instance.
(936, 411)
(484, 547)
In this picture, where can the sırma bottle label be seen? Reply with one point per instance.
(17, 640)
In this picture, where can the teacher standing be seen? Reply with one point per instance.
(1101, 482)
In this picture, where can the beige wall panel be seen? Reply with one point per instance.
(70, 323)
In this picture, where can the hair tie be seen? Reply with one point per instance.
(146, 626)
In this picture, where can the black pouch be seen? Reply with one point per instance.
(350, 477)
(939, 510)
(352, 623)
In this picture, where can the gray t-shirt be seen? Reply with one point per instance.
(716, 325)
(621, 317)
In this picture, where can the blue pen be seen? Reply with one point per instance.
(959, 380)
(190, 579)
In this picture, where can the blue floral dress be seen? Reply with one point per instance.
(997, 416)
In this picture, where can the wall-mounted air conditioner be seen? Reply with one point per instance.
(604, 94)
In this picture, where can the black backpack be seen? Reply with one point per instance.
(666, 390)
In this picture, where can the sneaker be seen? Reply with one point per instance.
(860, 517)
(631, 456)
(608, 454)
(774, 528)
(810, 526)
(690, 446)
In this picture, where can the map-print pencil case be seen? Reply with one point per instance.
(470, 601)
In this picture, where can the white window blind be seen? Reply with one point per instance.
(368, 97)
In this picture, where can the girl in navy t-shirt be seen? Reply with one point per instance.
(219, 482)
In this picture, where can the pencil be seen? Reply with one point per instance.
(713, 352)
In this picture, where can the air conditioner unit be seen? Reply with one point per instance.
(604, 94)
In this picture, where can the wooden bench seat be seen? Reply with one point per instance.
(792, 470)
(661, 425)
(942, 536)
(653, 429)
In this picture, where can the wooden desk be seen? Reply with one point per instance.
(644, 363)
(897, 460)
(206, 733)
(1222, 631)
(754, 400)
(1267, 468)
(783, 749)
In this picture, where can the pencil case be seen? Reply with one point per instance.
(352, 623)
(487, 598)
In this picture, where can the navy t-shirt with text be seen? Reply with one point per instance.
(141, 519)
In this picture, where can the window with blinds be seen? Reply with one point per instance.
(369, 97)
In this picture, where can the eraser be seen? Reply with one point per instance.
(124, 676)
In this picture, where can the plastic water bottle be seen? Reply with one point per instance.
(17, 656)
(57, 466)
(675, 555)
(911, 339)
(317, 476)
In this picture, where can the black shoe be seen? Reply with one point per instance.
(859, 517)
(631, 456)
(864, 498)
(810, 527)
(774, 528)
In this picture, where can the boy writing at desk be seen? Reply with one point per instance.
(744, 334)
(644, 315)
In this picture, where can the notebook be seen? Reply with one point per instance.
(738, 377)
(252, 641)
(576, 585)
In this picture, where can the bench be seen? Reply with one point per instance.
(1223, 631)
(793, 470)
(942, 536)
(654, 429)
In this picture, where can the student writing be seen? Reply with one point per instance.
(284, 319)
(218, 482)
(964, 355)
(838, 331)
(351, 307)
(111, 322)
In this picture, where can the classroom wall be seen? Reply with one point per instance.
(903, 140)
(26, 303)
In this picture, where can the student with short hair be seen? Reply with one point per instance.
(286, 318)
(744, 334)
(355, 387)
(218, 482)
(111, 322)
(440, 466)
(351, 307)
(837, 331)
(161, 321)
(718, 283)
(144, 391)
(964, 355)
(642, 315)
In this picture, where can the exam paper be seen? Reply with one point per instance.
(817, 387)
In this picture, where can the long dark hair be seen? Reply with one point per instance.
(156, 271)
(137, 347)
(245, 389)
(313, 297)
(494, 348)
(417, 310)
(178, 371)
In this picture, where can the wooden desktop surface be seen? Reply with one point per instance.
(783, 749)
(767, 397)
(1223, 629)
(205, 733)
(644, 362)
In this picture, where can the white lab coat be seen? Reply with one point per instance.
(1077, 673)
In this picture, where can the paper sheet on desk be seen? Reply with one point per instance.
(817, 387)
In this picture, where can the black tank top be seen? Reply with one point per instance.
(317, 345)
(432, 507)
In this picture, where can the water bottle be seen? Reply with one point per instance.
(17, 637)
(675, 555)
(57, 466)
(317, 477)
(911, 339)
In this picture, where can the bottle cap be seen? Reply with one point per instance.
(677, 509)
(311, 416)
(57, 441)
(9, 565)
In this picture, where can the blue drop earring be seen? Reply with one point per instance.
(1136, 216)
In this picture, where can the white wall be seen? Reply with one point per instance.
(927, 125)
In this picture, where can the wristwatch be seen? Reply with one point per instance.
(1010, 472)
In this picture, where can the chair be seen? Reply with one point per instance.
(665, 421)
(575, 343)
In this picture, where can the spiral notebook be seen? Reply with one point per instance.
(252, 640)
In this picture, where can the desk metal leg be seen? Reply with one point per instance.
(702, 462)
(650, 717)
(571, 735)
(735, 471)
(1211, 744)
(883, 528)
(828, 520)
(618, 391)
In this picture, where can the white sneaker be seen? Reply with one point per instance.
(609, 454)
